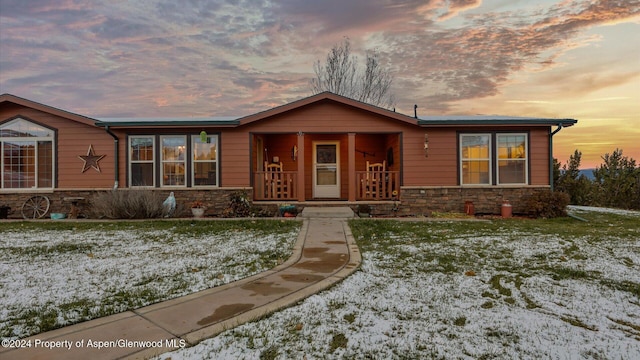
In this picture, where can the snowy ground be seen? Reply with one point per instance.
(58, 277)
(576, 208)
(505, 290)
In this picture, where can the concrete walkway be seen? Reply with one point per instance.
(324, 254)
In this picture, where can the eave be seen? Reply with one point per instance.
(483, 120)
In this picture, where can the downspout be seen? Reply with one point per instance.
(116, 153)
(551, 153)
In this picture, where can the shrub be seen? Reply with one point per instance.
(127, 204)
(546, 204)
(241, 206)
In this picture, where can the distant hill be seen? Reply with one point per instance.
(588, 173)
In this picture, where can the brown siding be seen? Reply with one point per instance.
(539, 153)
(73, 139)
(234, 158)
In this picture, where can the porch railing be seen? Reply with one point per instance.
(377, 185)
(275, 185)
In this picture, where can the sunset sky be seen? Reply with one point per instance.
(163, 58)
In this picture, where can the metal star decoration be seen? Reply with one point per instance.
(91, 160)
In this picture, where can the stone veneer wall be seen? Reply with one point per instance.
(486, 200)
(413, 200)
(216, 200)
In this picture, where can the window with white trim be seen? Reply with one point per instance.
(174, 160)
(494, 159)
(27, 155)
(205, 160)
(512, 158)
(475, 159)
(141, 160)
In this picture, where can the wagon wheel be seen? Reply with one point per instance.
(35, 207)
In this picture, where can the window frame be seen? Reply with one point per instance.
(525, 159)
(189, 161)
(162, 161)
(52, 138)
(494, 159)
(489, 159)
(216, 162)
(131, 161)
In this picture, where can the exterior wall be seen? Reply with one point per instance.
(436, 174)
(72, 139)
(440, 167)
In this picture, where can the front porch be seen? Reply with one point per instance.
(344, 167)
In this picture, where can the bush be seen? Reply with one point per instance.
(546, 204)
(241, 206)
(127, 204)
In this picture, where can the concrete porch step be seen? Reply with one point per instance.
(340, 212)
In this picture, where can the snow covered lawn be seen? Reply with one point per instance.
(505, 289)
(55, 274)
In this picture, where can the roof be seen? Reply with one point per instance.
(491, 120)
(233, 121)
(327, 96)
(46, 108)
(211, 121)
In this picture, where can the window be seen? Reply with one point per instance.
(173, 151)
(179, 160)
(512, 158)
(205, 159)
(141, 150)
(26, 155)
(475, 157)
(479, 165)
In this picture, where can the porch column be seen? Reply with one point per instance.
(352, 166)
(301, 156)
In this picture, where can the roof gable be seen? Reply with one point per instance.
(8, 98)
(327, 96)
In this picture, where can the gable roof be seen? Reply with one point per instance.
(327, 96)
(8, 98)
(234, 121)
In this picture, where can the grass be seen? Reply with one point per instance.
(505, 288)
(103, 268)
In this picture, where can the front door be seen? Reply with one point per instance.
(326, 169)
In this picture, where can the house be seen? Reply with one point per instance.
(323, 148)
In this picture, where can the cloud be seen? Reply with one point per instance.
(457, 6)
(250, 54)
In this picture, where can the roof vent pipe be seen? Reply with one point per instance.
(415, 111)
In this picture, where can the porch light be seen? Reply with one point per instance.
(294, 152)
(203, 136)
(426, 145)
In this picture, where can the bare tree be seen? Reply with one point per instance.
(340, 74)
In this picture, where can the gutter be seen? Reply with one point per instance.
(116, 153)
(551, 133)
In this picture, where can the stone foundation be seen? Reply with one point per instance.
(413, 200)
(215, 200)
(486, 200)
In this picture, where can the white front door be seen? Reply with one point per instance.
(326, 169)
